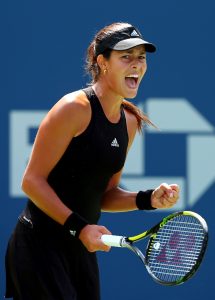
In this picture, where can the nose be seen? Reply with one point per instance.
(134, 66)
(135, 63)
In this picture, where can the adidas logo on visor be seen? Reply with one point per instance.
(134, 33)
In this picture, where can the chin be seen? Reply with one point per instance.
(131, 94)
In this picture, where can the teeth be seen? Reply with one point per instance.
(133, 76)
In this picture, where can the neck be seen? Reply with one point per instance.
(110, 101)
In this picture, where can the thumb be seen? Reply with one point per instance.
(164, 188)
(104, 230)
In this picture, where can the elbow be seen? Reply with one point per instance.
(29, 182)
(26, 183)
(32, 182)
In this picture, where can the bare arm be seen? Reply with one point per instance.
(68, 118)
(55, 133)
(116, 199)
(119, 200)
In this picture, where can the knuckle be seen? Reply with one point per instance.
(164, 185)
(91, 249)
(107, 249)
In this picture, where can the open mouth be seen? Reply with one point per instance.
(132, 81)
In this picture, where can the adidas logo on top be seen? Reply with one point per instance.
(134, 33)
(73, 232)
(114, 143)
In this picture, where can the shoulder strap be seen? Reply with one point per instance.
(89, 92)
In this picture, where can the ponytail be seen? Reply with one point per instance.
(140, 116)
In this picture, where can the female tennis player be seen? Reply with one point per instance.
(74, 172)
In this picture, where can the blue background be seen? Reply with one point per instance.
(43, 46)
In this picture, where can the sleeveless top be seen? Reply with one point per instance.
(81, 175)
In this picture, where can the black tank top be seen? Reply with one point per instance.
(83, 172)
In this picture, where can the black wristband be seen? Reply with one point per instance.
(143, 200)
(74, 224)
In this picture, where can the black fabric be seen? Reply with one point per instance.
(90, 161)
(143, 200)
(74, 224)
(40, 267)
(130, 33)
(44, 261)
(83, 172)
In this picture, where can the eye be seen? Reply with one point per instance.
(126, 56)
(142, 57)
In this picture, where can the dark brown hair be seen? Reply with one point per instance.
(94, 70)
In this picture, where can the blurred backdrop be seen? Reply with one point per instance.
(43, 46)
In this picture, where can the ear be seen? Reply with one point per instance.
(101, 62)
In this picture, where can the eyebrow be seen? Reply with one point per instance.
(132, 50)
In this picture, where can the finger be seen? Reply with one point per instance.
(175, 187)
(173, 200)
(176, 194)
(104, 230)
(166, 189)
(167, 203)
(171, 195)
(102, 246)
(107, 248)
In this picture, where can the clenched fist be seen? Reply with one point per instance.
(165, 196)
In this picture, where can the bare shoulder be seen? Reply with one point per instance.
(77, 98)
(73, 103)
(71, 114)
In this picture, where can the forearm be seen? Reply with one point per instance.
(118, 200)
(43, 196)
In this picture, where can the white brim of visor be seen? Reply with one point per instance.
(133, 42)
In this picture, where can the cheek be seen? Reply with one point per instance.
(144, 68)
(115, 76)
